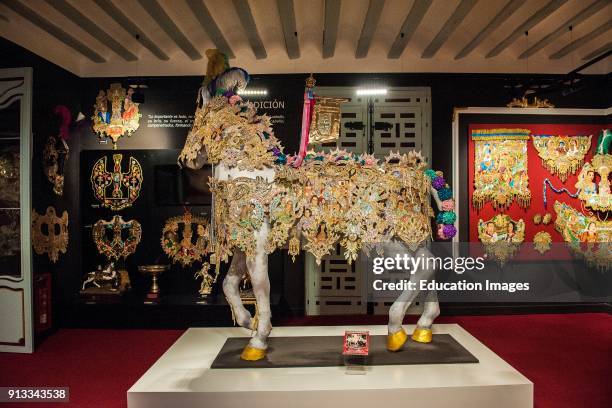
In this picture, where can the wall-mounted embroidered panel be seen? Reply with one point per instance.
(588, 236)
(114, 188)
(50, 233)
(574, 226)
(122, 119)
(542, 241)
(501, 236)
(562, 155)
(117, 238)
(178, 242)
(55, 154)
(325, 122)
(500, 168)
(594, 183)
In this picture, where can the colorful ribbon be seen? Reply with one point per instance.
(309, 102)
(558, 191)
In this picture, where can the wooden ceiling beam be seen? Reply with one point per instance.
(128, 25)
(92, 28)
(250, 28)
(531, 22)
(579, 42)
(411, 23)
(562, 29)
(462, 10)
(53, 30)
(507, 10)
(200, 11)
(369, 27)
(599, 51)
(164, 21)
(286, 10)
(330, 27)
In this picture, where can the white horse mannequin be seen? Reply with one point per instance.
(256, 265)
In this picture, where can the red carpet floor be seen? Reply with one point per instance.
(567, 356)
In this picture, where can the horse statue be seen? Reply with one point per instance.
(264, 200)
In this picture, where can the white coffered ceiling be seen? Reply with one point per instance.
(170, 37)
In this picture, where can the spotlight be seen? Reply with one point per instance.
(253, 92)
(138, 95)
(371, 91)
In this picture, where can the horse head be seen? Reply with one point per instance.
(220, 80)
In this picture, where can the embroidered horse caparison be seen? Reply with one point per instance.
(262, 202)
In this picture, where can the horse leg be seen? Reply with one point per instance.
(431, 308)
(258, 272)
(231, 285)
(397, 336)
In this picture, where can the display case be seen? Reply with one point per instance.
(15, 207)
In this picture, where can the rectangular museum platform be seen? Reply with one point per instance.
(183, 377)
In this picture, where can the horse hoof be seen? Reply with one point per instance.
(395, 341)
(252, 353)
(422, 335)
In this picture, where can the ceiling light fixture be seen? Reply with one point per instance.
(371, 91)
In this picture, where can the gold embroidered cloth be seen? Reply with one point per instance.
(501, 236)
(500, 168)
(594, 183)
(588, 236)
(332, 198)
(562, 155)
(231, 134)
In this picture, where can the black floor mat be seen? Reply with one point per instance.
(326, 351)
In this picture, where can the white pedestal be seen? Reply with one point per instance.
(182, 378)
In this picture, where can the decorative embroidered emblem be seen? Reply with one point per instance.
(123, 118)
(53, 238)
(501, 236)
(9, 178)
(500, 168)
(325, 122)
(542, 241)
(562, 155)
(177, 238)
(55, 154)
(116, 238)
(125, 187)
(524, 103)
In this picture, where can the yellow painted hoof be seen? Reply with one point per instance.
(396, 340)
(422, 335)
(252, 354)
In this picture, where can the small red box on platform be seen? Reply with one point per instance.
(356, 343)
